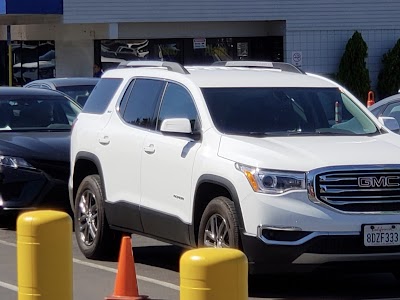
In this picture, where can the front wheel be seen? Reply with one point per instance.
(219, 225)
(95, 238)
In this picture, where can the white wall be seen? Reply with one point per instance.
(304, 14)
(323, 49)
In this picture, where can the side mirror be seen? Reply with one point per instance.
(390, 123)
(176, 125)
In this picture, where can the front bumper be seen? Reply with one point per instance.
(320, 252)
(22, 189)
(289, 233)
(295, 210)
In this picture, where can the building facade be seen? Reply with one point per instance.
(65, 37)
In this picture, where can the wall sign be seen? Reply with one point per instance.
(199, 43)
(297, 58)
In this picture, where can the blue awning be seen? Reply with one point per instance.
(31, 7)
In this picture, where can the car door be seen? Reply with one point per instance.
(166, 170)
(122, 140)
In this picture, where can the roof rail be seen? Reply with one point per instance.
(169, 65)
(260, 64)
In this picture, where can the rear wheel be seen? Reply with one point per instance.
(95, 238)
(219, 225)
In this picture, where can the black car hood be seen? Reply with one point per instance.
(46, 145)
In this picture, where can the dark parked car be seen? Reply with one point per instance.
(387, 107)
(35, 128)
(78, 88)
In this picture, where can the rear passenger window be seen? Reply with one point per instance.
(142, 101)
(101, 95)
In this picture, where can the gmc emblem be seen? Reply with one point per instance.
(383, 181)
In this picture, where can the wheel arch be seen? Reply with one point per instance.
(86, 164)
(207, 188)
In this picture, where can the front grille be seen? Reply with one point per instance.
(359, 190)
(55, 169)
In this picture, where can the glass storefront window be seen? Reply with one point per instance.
(189, 51)
(206, 51)
(167, 50)
(112, 52)
(47, 59)
(29, 61)
(3, 63)
(32, 60)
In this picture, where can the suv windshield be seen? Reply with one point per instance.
(286, 111)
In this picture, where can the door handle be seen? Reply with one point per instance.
(104, 140)
(149, 149)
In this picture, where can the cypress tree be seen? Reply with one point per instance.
(353, 73)
(389, 76)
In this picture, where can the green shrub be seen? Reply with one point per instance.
(353, 73)
(389, 76)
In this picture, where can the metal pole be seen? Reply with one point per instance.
(10, 71)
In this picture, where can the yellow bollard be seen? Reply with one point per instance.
(44, 255)
(213, 274)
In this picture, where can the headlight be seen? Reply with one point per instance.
(14, 162)
(271, 181)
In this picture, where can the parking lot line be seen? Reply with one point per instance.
(8, 243)
(8, 286)
(108, 269)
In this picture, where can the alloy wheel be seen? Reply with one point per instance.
(87, 217)
(217, 232)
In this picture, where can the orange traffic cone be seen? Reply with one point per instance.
(126, 283)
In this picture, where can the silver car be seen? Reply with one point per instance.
(77, 88)
(387, 107)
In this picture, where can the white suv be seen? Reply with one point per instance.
(287, 166)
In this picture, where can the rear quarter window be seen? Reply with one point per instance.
(101, 95)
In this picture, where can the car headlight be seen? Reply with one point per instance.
(271, 181)
(14, 162)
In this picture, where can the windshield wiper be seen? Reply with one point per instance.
(299, 133)
(272, 133)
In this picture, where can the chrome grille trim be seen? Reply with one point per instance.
(326, 189)
(341, 188)
(353, 202)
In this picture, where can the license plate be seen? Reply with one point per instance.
(382, 235)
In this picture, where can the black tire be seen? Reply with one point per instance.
(219, 209)
(105, 242)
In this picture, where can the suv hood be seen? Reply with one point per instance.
(300, 153)
(36, 145)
